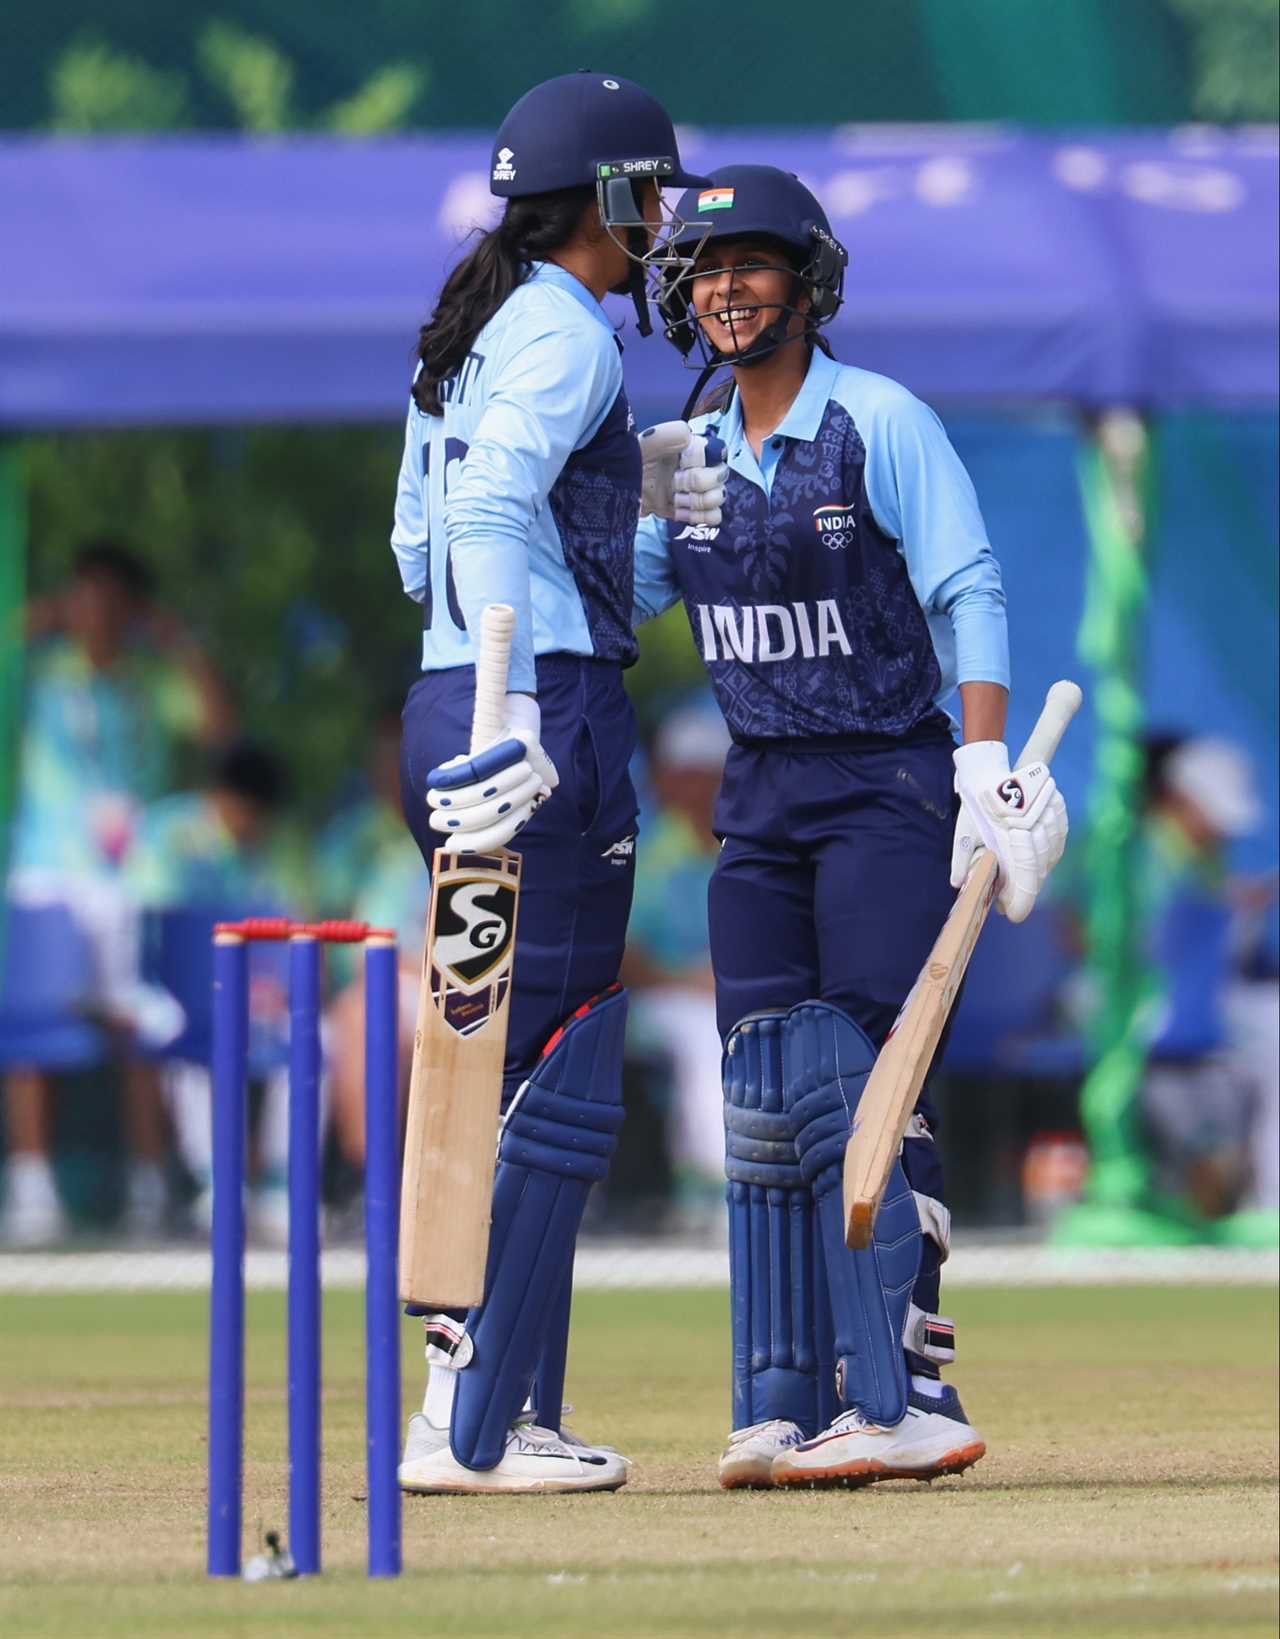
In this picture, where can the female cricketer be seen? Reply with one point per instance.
(847, 590)
(521, 484)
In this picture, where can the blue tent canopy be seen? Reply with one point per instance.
(212, 280)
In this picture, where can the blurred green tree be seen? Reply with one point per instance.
(1236, 54)
(252, 73)
(257, 64)
(95, 87)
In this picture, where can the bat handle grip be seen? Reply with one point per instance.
(1060, 706)
(493, 655)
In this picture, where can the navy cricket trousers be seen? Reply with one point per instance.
(578, 849)
(832, 882)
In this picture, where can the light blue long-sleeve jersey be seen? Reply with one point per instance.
(526, 489)
(850, 585)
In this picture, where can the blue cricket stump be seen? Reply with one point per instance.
(304, 1253)
(382, 1192)
(226, 1302)
(381, 1237)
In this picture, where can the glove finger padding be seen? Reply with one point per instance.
(480, 801)
(677, 479)
(459, 798)
(479, 816)
(497, 835)
(667, 438)
(694, 481)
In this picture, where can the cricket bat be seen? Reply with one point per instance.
(455, 1088)
(897, 1076)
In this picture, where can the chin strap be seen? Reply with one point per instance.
(813, 335)
(766, 343)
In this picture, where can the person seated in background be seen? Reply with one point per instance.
(224, 850)
(114, 687)
(1204, 1107)
(369, 869)
(668, 963)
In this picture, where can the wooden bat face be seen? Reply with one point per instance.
(471, 936)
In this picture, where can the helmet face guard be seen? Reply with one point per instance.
(657, 255)
(817, 281)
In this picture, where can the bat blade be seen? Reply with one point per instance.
(898, 1074)
(455, 1088)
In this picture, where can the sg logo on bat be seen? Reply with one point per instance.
(472, 936)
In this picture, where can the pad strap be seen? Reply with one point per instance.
(559, 1135)
(933, 1336)
(826, 1061)
(782, 1353)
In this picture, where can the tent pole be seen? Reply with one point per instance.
(13, 565)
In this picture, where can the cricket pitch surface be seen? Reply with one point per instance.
(1130, 1485)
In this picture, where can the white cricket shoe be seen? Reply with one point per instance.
(747, 1460)
(535, 1459)
(934, 1438)
(32, 1216)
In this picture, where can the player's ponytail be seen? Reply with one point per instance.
(497, 263)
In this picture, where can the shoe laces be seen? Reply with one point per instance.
(531, 1436)
(567, 1437)
(853, 1422)
(786, 1432)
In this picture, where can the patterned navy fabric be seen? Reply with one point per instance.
(595, 503)
(802, 607)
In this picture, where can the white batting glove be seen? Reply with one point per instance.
(683, 475)
(481, 799)
(1020, 816)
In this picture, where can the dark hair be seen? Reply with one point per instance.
(107, 559)
(496, 264)
(250, 770)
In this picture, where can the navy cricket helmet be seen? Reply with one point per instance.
(583, 128)
(754, 202)
(586, 129)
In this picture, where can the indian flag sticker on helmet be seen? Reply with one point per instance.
(715, 199)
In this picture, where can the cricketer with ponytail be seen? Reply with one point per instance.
(521, 484)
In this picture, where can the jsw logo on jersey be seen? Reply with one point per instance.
(772, 631)
(692, 533)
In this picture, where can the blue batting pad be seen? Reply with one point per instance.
(783, 1364)
(558, 1138)
(826, 1060)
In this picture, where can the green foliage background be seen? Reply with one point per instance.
(278, 64)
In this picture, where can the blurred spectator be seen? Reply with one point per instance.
(667, 964)
(369, 868)
(224, 851)
(1207, 1105)
(113, 686)
(222, 848)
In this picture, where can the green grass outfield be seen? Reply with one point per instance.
(1129, 1488)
